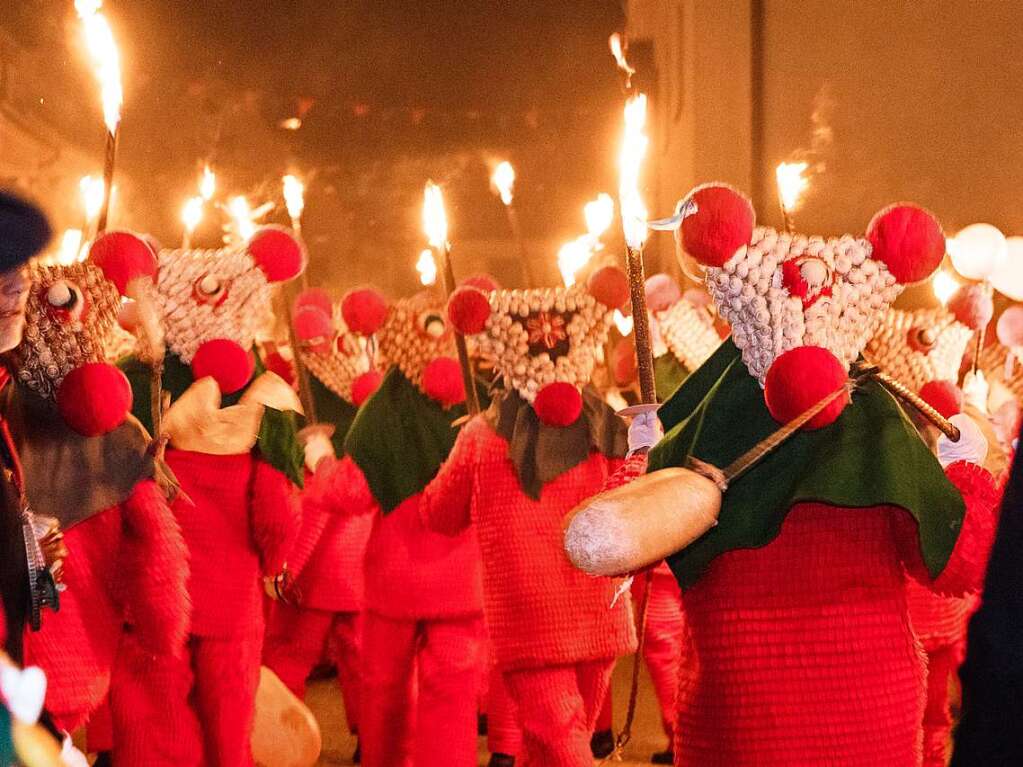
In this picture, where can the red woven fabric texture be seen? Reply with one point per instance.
(540, 609)
(411, 572)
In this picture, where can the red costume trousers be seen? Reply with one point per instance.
(421, 687)
(942, 665)
(558, 708)
(504, 736)
(662, 642)
(299, 638)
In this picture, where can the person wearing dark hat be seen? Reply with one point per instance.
(24, 231)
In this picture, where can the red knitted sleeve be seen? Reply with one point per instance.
(314, 521)
(445, 504)
(964, 573)
(625, 471)
(275, 516)
(339, 487)
(153, 569)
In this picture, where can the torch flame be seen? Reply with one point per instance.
(435, 220)
(615, 44)
(99, 41)
(572, 257)
(427, 267)
(944, 286)
(70, 247)
(208, 183)
(294, 196)
(599, 214)
(634, 145)
(92, 189)
(241, 212)
(791, 183)
(503, 179)
(191, 213)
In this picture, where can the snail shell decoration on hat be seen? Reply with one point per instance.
(544, 339)
(680, 326)
(70, 319)
(782, 292)
(919, 346)
(335, 340)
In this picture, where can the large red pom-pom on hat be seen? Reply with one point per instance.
(226, 362)
(943, 396)
(364, 386)
(314, 297)
(484, 282)
(94, 399)
(364, 310)
(723, 223)
(276, 251)
(662, 292)
(558, 404)
(313, 328)
(609, 286)
(442, 381)
(623, 362)
(909, 241)
(123, 257)
(973, 306)
(468, 310)
(799, 379)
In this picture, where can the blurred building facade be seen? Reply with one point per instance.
(886, 101)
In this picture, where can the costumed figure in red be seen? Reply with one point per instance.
(923, 349)
(423, 651)
(684, 336)
(92, 469)
(232, 445)
(323, 613)
(798, 644)
(547, 442)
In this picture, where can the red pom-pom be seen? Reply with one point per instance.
(314, 297)
(276, 251)
(483, 282)
(94, 399)
(908, 240)
(314, 328)
(123, 257)
(226, 362)
(1010, 327)
(943, 396)
(128, 316)
(364, 310)
(468, 310)
(609, 286)
(623, 362)
(661, 292)
(442, 381)
(364, 386)
(972, 305)
(722, 224)
(799, 379)
(558, 404)
(698, 297)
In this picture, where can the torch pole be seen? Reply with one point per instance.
(108, 178)
(786, 217)
(641, 325)
(472, 401)
(305, 392)
(296, 227)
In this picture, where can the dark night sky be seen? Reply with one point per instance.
(392, 93)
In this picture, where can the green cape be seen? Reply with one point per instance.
(399, 439)
(332, 409)
(669, 374)
(278, 432)
(870, 456)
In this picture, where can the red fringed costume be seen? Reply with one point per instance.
(233, 449)
(512, 476)
(87, 464)
(423, 641)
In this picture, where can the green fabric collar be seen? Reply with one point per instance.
(669, 374)
(278, 433)
(870, 456)
(399, 439)
(542, 453)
